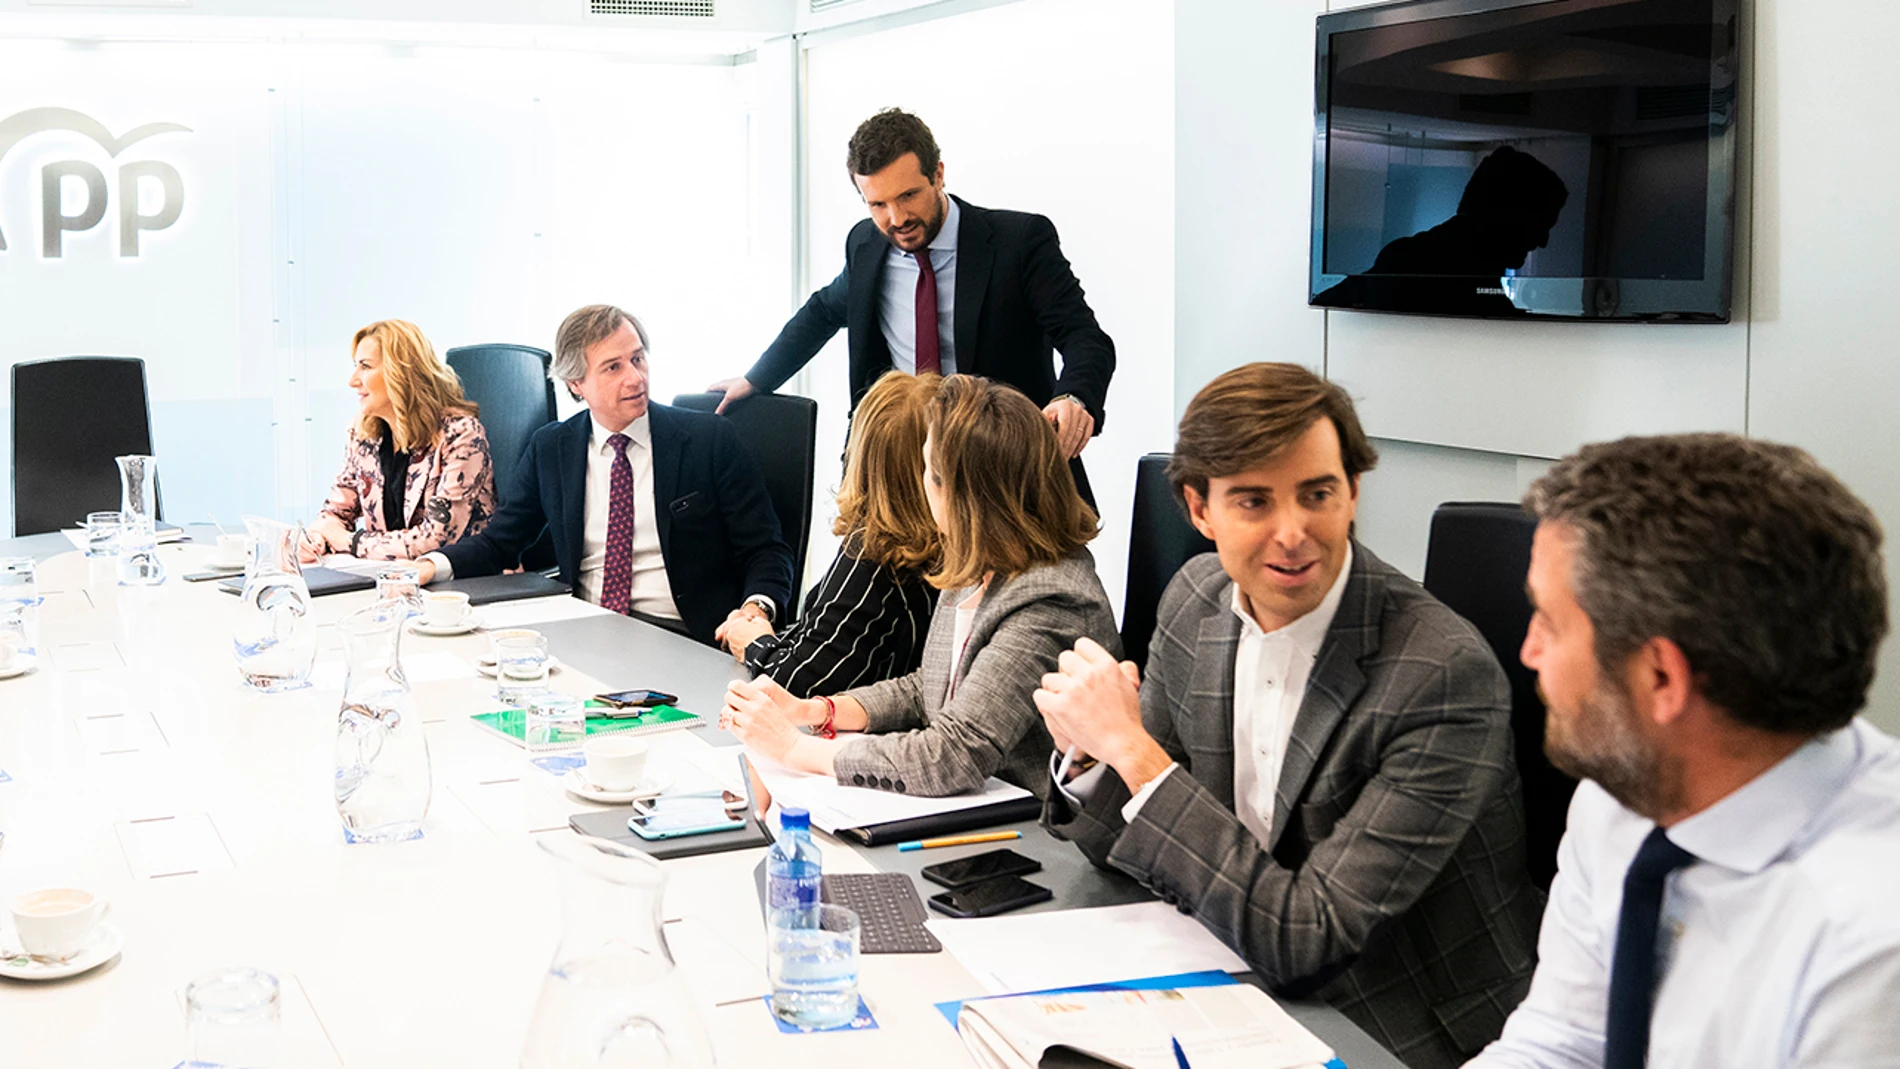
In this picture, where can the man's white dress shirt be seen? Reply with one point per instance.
(650, 592)
(1271, 671)
(1779, 946)
(897, 303)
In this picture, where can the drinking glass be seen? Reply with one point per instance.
(521, 668)
(15, 647)
(235, 1018)
(813, 971)
(400, 579)
(555, 721)
(102, 533)
(17, 583)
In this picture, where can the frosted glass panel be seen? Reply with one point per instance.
(1063, 107)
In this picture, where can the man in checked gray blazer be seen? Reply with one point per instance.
(1320, 755)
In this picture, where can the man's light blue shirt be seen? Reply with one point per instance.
(898, 303)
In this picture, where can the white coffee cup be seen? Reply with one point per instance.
(57, 922)
(615, 762)
(448, 608)
(233, 549)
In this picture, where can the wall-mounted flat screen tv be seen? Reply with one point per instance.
(1527, 158)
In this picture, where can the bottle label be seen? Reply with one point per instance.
(795, 892)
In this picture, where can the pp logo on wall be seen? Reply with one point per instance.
(55, 223)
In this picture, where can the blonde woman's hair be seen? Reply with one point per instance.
(422, 389)
(882, 497)
(1009, 494)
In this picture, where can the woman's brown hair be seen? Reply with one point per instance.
(422, 389)
(1009, 494)
(882, 497)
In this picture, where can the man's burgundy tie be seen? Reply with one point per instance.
(616, 574)
(929, 361)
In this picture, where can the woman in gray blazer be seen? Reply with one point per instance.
(1017, 588)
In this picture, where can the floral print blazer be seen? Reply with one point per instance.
(450, 492)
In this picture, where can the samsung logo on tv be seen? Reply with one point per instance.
(1490, 291)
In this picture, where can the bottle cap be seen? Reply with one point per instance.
(789, 818)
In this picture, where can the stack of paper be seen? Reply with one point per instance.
(1073, 947)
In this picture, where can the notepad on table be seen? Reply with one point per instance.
(512, 724)
(1222, 1026)
(875, 817)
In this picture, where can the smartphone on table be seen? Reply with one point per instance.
(990, 897)
(976, 868)
(633, 703)
(678, 815)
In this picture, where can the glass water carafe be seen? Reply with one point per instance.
(612, 999)
(382, 758)
(138, 536)
(276, 637)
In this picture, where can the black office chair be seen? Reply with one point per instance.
(1160, 541)
(71, 417)
(1476, 562)
(511, 384)
(781, 433)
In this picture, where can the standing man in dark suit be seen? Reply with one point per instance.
(655, 512)
(1319, 764)
(934, 283)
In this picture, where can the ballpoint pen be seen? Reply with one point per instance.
(1180, 1056)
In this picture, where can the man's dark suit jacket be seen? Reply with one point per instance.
(1394, 884)
(718, 532)
(1017, 301)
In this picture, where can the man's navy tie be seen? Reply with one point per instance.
(1633, 969)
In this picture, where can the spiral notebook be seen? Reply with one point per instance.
(512, 724)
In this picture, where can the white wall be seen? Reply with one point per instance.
(1059, 107)
(1472, 410)
(481, 192)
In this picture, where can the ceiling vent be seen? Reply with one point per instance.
(677, 9)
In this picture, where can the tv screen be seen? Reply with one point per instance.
(1511, 158)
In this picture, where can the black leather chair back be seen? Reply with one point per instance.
(781, 433)
(1160, 541)
(71, 417)
(1479, 555)
(511, 384)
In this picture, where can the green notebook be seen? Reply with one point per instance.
(512, 724)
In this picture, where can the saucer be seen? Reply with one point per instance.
(486, 666)
(471, 622)
(101, 948)
(576, 783)
(22, 664)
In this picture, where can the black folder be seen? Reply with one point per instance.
(952, 823)
(319, 579)
(612, 824)
(488, 589)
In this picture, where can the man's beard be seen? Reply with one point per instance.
(931, 228)
(1601, 742)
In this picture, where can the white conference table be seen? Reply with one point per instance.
(141, 769)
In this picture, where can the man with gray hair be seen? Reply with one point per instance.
(654, 512)
(1708, 611)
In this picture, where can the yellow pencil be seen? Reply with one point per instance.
(960, 840)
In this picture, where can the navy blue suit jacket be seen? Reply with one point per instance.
(718, 532)
(1017, 303)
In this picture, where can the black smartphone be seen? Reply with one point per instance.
(990, 897)
(621, 703)
(976, 868)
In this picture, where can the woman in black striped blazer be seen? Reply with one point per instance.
(866, 620)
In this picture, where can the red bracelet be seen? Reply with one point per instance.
(828, 729)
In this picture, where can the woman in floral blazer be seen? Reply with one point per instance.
(415, 427)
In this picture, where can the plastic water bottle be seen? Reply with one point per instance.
(795, 869)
